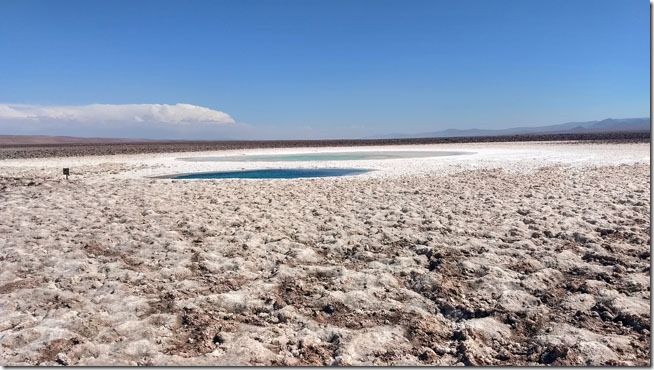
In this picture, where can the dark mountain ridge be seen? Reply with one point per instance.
(606, 125)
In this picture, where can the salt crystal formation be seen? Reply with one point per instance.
(521, 254)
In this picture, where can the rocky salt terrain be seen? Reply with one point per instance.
(525, 254)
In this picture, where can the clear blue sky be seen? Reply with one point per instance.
(334, 68)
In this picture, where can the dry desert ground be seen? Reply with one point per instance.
(514, 254)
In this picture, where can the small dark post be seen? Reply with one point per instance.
(66, 172)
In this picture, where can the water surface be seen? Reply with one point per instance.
(277, 173)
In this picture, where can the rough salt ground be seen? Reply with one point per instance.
(520, 254)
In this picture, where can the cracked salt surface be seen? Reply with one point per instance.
(520, 254)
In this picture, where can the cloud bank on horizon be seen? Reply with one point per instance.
(178, 114)
(138, 121)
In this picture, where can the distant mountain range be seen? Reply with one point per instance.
(44, 139)
(607, 125)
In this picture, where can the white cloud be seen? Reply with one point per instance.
(178, 114)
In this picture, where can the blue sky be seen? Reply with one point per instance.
(317, 69)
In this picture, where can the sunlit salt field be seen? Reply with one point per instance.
(516, 250)
(334, 156)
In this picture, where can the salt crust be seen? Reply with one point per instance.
(521, 253)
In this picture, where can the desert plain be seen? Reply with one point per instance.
(513, 254)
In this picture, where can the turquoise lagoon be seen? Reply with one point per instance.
(276, 173)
